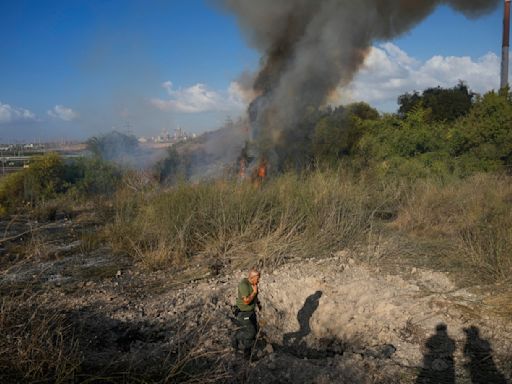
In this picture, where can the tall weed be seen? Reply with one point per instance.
(290, 216)
(476, 213)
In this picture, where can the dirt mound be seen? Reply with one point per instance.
(363, 318)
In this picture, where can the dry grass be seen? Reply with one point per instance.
(40, 343)
(500, 304)
(468, 222)
(290, 216)
(36, 343)
(38, 247)
(187, 356)
(91, 238)
(195, 360)
(475, 214)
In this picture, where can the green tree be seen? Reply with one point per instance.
(93, 176)
(49, 176)
(446, 104)
(337, 133)
(484, 137)
(412, 146)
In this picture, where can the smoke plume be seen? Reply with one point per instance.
(311, 47)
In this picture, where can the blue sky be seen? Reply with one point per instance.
(74, 68)
(449, 33)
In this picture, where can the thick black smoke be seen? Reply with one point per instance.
(311, 47)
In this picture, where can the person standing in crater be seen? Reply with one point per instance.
(246, 303)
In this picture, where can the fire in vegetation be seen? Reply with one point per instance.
(311, 50)
(252, 166)
(261, 172)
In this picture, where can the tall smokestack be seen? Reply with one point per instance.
(506, 45)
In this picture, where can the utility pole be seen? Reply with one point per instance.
(506, 45)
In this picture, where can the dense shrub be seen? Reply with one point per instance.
(172, 168)
(93, 176)
(42, 181)
(446, 104)
(443, 133)
(485, 134)
(337, 133)
(409, 147)
(416, 146)
(49, 176)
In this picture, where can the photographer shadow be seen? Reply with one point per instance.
(481, 363)
(438, 363)
(438, 360)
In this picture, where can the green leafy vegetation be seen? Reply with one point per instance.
(418, 146)
(337, 133)
(172, 168)
(50, 177)
(445, 104)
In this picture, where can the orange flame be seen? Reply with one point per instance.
(261, 173)
(262, 170)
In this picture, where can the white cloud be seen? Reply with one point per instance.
(10, 114)
(389, 72)
(199, 98)
(62, 113)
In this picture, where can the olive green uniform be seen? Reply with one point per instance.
(246, 317)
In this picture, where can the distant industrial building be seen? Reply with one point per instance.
(165, 137)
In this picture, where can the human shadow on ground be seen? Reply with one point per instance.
(481, 363)
(438, 364)
(304, 317)
(438, 361)
(294, 343)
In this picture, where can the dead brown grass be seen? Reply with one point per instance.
(36, 342)
(500, 304)
(291, 216)
(475, 214)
